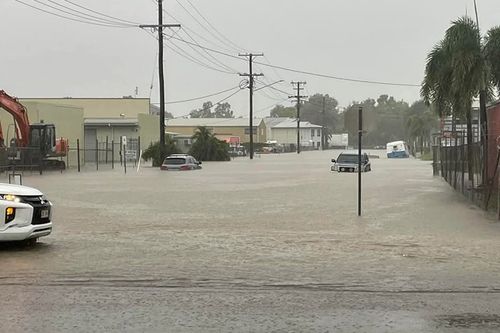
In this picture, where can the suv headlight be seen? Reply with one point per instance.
(10, 197)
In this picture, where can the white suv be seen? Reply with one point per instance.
(25, 214)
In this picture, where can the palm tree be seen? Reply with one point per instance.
(460, 68)
(206, 147)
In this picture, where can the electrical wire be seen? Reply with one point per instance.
(205, 28)
(185, 27)
(312, 73)
(214, 105)
(153, 76)
(201, 97)
(70, 18)
(209, 57)
(85, 17)
(99, 13)
(89, 16)
(213, 27)
(184, 54)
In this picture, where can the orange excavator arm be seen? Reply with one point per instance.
(18, 111)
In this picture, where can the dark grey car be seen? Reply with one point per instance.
(348, 162)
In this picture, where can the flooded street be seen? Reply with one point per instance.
(269, 245)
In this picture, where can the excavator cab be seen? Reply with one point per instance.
(43, 137)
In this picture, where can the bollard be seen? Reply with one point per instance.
(112, 154)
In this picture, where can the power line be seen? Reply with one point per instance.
(339, 77)
(184, 54)
(311, 73)
(214, 105)
(210, 57)
(85, 16)
(201, 97)
(205, 28)
(99, 13)
(71, 18)
(213, 27)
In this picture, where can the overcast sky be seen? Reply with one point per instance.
(381, 40)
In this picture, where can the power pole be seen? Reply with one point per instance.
(159, 27)
(360, 137)
(324, 126)
(251, 82)
(298, 85)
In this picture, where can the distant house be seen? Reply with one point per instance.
(223, 128)
(284, 132)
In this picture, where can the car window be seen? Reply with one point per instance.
(347, 158)
(175, 160)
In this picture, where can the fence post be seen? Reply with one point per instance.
(78, 153)
(138, 156)
(455, 164)
(125, 158)
(107, 147)
(97, 154)
(112, 154)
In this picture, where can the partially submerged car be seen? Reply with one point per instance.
(348, 162)
(180, 162)
(25, 214)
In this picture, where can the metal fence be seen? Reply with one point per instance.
(451, 161)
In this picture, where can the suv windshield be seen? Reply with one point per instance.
(348, 158)
(175, 160)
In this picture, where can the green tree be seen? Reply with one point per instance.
(223, 110)
(206, 147)
(153, 152)
(322, 110)
(283, 111)
(420, 124)
(383, 120)
(459, 68)
(220, 110)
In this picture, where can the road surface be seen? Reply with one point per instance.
(269, 245)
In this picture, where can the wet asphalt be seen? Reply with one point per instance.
(269, 245)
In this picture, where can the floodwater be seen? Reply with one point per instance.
(269, 245)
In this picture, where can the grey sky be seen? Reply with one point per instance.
(382, 40)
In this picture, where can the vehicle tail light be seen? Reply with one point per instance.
(10, 214)
(185, 167)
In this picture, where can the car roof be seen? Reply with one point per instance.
(351, 152)
(178, 155)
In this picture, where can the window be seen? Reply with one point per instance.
(319, 132)
(247, 130)
(312, 133)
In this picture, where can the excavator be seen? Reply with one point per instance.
(34, 144)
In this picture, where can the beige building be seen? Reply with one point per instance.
(95, 121)
(222, 128)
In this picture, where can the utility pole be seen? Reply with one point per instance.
(360, 137)
(159, 27)
(324, 125)
(251, 78)
(298, 85)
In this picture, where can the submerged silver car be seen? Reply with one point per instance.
(180, 162)
(348, 162)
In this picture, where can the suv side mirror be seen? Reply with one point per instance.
(333, 160)
(199, 162)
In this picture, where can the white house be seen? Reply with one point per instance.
(285, 132)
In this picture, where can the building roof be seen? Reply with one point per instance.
(273, 121)
(292, 123)
(111, 122)
(212, 122)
